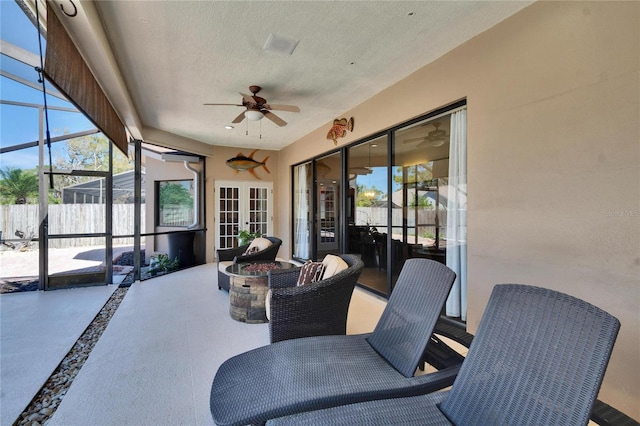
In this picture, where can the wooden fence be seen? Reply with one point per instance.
(69, 219)
(90, 218)
(377, 216)
(175, 215)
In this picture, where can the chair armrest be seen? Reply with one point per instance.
(282, 278)
(444, 328)
(605, 415)
(231, 253)
(291, 291)
(437, 353)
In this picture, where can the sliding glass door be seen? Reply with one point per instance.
(328, 202)
(302, 226)
(404, 196)
(420, 174)
(367, 209)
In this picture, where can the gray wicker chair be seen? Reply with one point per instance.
(236, 255)
(316, 309)
(318, 372)
(538, 358)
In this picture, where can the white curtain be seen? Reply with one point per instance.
(301, 246)
(457, 215)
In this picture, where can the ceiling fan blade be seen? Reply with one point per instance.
(427, 141)
(271, 116)
(434, 134)
(224, 104)
(412, 140)
(423, 144)
(239, 118)
(278, 107)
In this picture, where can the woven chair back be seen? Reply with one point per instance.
(405, 326)
(538, 358)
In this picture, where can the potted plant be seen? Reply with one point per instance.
(245, 237)
(161, 263)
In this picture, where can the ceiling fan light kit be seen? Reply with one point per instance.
(253, 115)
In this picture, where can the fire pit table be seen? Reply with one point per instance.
(248, 289)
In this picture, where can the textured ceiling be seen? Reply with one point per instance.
(176, 55)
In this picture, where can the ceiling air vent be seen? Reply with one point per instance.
(278, 44)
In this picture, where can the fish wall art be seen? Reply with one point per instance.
(339, 129)
(240, 163)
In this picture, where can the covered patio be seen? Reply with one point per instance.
(551, 93)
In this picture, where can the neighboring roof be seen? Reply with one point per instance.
(122, 189)
(384, 203)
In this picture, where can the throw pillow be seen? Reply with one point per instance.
(332, 265)
(310, 273)
(258, 244)
(251, 250)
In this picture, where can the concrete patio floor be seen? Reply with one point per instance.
(37, 329)
(16, 265)
(155, 361)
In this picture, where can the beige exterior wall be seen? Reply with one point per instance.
(217, 169)
(157, 170)
(553, 160)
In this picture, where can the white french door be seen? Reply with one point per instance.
(242, 206)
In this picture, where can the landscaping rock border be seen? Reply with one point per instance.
(47, 400)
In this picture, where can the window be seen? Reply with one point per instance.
(175, 203)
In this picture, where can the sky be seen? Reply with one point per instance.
(19, 124)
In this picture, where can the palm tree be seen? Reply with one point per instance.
(17, 185)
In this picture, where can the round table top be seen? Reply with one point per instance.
(261, 267)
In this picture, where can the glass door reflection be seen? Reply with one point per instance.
(367, 210)
(328, 193)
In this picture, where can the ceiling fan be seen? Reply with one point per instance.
(257, 108)
(435, 138)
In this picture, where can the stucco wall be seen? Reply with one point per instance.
(217, 169)
(157, 170)
(553, 160)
